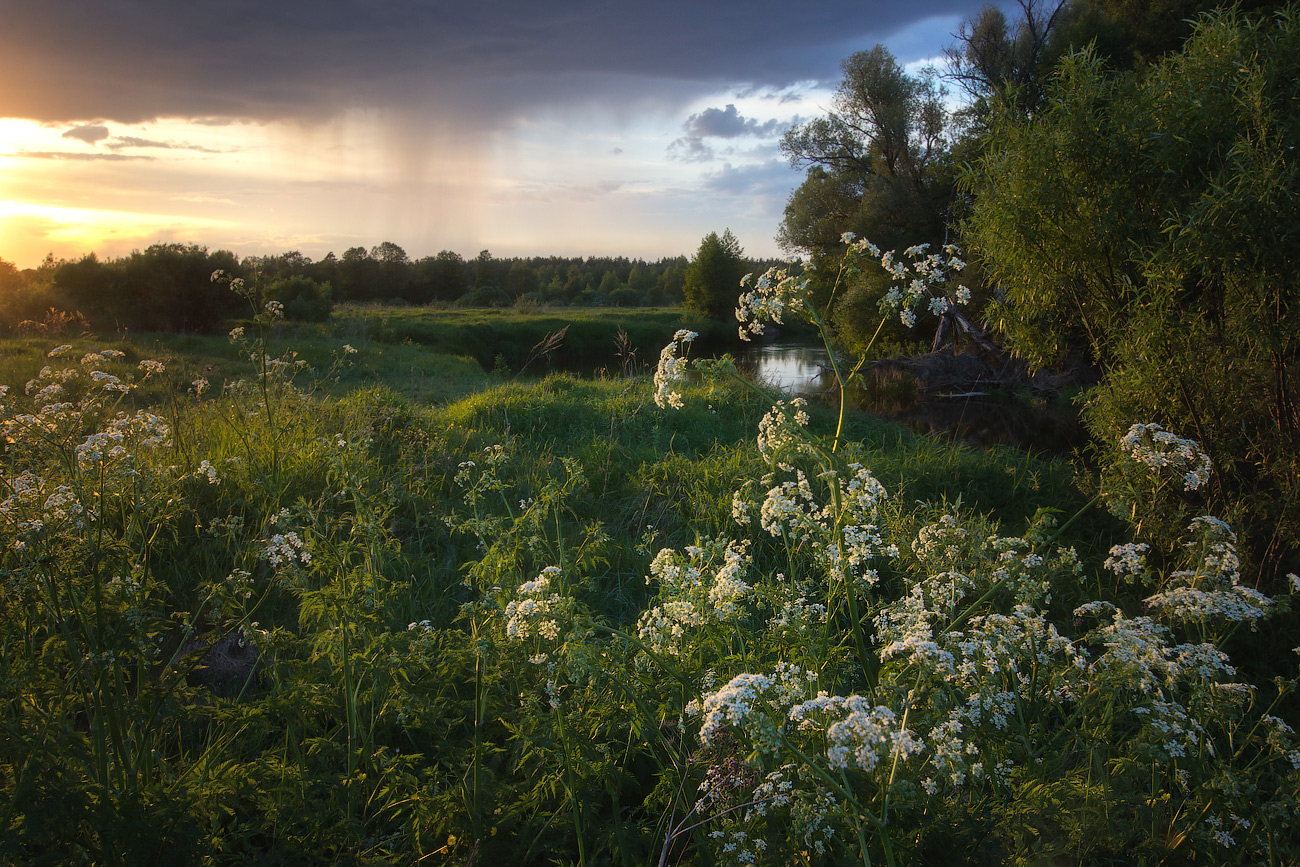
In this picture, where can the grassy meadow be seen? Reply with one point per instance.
(354, 593)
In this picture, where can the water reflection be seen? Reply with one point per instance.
(795, 367)
(804, 368)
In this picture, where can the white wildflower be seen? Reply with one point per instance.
(672, 370)
(1153, 446)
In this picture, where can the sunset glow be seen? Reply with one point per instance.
(558, 152)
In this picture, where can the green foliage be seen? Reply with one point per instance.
(713, 277)
(557, 622)
(879, 167)
(303, 298)
(1148, 219)
(164, 288)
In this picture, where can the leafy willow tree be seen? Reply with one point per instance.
(1014, 57)
(879, 166)
(712, 284)
(1129, 34)
(994, 55)
(1152, 220)
(164, 288)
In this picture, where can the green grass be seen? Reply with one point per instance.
(428, 355)
(373, 534)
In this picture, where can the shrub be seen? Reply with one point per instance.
(1149, 219)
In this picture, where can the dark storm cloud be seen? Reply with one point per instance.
(727, 123)
(135, 60)
(721, 123)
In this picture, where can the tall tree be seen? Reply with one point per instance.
(879, 166)
(993, 55)
(446, 275)
(713, 278)
(879, 160)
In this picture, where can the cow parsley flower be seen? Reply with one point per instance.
(779, 434)
(859, 733)
(774, 294)
(671, 371)
(207, 470)
(1154, 447)
(1127, 561)
(535, 611)
(286, 548)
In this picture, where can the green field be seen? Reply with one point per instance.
(395, 605)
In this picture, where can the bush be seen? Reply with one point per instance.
(1150, 219)
(303, 298)
(485, 296)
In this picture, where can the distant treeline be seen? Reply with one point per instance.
(167, 287)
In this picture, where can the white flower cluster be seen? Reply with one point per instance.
(775, 292)
(208, 471)
(1212, 590)
(108, 381)
(287, 548)
(860, 734)
(796, 614)
(841, 522)
(1282, 739)
(1137, 654)
(1152, 446)
(1128, 560)
(756, 704)
(1021, 572)
(1171, 731)
(693, 597)
(780, 434)
(988, 668)
(942, 544)
(791, 508)
(144, 430)
(91, 359)
(535, 612)
(672, 370)
(922, 280)
(29, 511)
(53, 390)
(47, 387)
(64, 507)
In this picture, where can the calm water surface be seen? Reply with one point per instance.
(804, 368)
(797, 367)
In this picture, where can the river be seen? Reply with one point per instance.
(803, 368)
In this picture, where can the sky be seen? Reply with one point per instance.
(559, 127)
